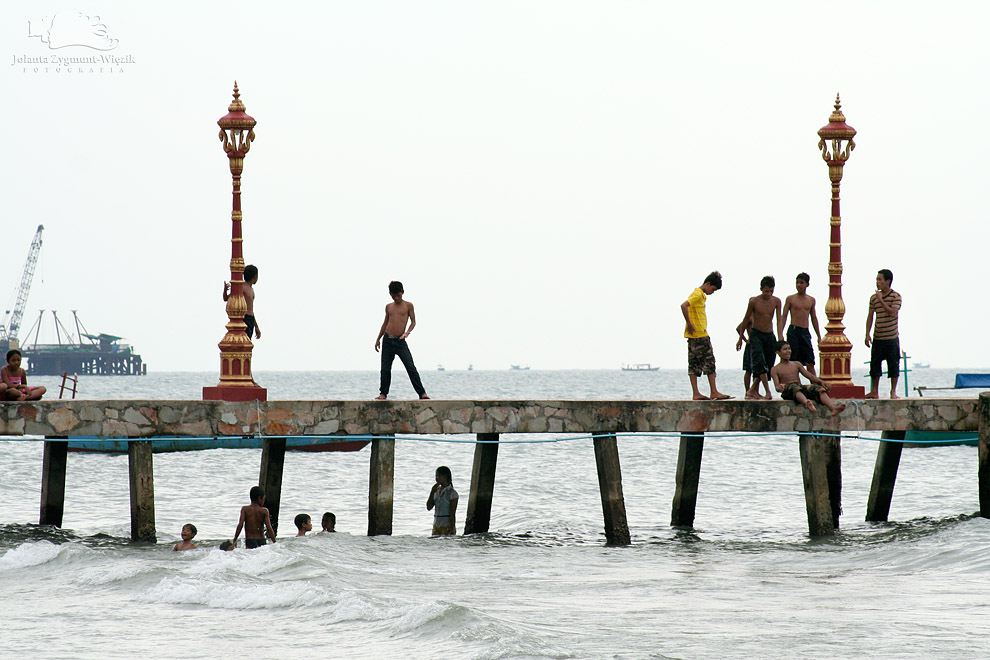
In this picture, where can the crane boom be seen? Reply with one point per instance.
(10, 332)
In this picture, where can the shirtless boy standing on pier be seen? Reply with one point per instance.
(398, 314)
(801, 307)
(255, 521)
(762, 342)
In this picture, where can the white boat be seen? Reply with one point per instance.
(440, 368)
(921, 365)
(641, 366)
(517, 367)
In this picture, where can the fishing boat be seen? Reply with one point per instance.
(440, 367)
(921, 365)
(641, 366)
(170, 444)
(516, 367)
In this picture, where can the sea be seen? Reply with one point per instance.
(746, 582)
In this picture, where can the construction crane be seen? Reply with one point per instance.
(8, 331)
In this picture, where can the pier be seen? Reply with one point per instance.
(603, 422)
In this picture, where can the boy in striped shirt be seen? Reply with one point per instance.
(885, 304)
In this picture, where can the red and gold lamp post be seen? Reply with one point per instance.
(236, 382)
(835, 349)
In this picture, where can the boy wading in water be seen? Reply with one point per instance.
(701, 357)
(398, 314)
(762, 342)
(801, 307)
(250, 279)
(255, 521)
(787, 381)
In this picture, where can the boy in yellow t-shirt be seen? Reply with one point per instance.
(701, 357)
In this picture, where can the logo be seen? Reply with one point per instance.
(72, 29)
(71, 43)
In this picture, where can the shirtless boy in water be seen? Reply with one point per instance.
(250, 279)
(762, 342)
(255, 521)
(801, 307)
(398, 314)
(787, 381)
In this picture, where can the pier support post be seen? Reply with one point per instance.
(833, 469)
(884, 476)
(815, 455)
(610, 484)
(479, 509)
(686, 479)
(380, 486)
(142, 478)
(272, 464)
(53, 481)
(984, 470)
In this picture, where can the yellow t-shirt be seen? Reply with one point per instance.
(696, 312)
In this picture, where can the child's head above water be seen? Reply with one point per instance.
(302, 520)
(257, 494)
(329, 522)
(189, 532)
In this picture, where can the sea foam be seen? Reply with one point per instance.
(250, 596)
(29, 554)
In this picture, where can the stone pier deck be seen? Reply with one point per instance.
(146, 419)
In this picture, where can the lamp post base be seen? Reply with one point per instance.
(239, 393)
(847, 392)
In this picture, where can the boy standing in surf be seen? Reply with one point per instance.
(255, 521)
(801, 307)
(701, 357)
(787, 381)
(398, 314)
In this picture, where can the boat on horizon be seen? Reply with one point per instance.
(921, 365)
(516, 367)
(641, 366)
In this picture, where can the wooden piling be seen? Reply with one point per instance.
(833, 470)
(53, 481)
(610, 485)
(884, 476)
(479, 509)
(142, 478)
(686, 479)
(814, 467)
(984, 470)
(272, 464)
(380, 486)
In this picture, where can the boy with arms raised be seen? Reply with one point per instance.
(398, 314)
(255, 521)
(760, 314)
(701, 357)
(801, 307)
(787, 381)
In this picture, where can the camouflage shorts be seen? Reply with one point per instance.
(701, 357)
(813, 392)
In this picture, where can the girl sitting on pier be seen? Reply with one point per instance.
(15, 380)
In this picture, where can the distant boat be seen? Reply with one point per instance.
(516, 367)
(440, 368)
(642, 366)
(470, 367)
(921, 365)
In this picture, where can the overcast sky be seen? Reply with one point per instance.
(550, 180)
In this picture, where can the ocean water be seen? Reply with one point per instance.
(746, 582)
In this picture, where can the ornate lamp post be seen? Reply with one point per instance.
(236, 382)
(835, 349)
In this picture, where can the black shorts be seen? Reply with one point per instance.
(763, 351)
(253, 543)
(802, 350)
(889, 351)
(249, 322)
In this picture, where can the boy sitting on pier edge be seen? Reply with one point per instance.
(787, 381)
(255, 521)
(801, 307)
(762, 343)
(701, 357)
(398, 313)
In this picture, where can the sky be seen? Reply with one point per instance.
(550, 179)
